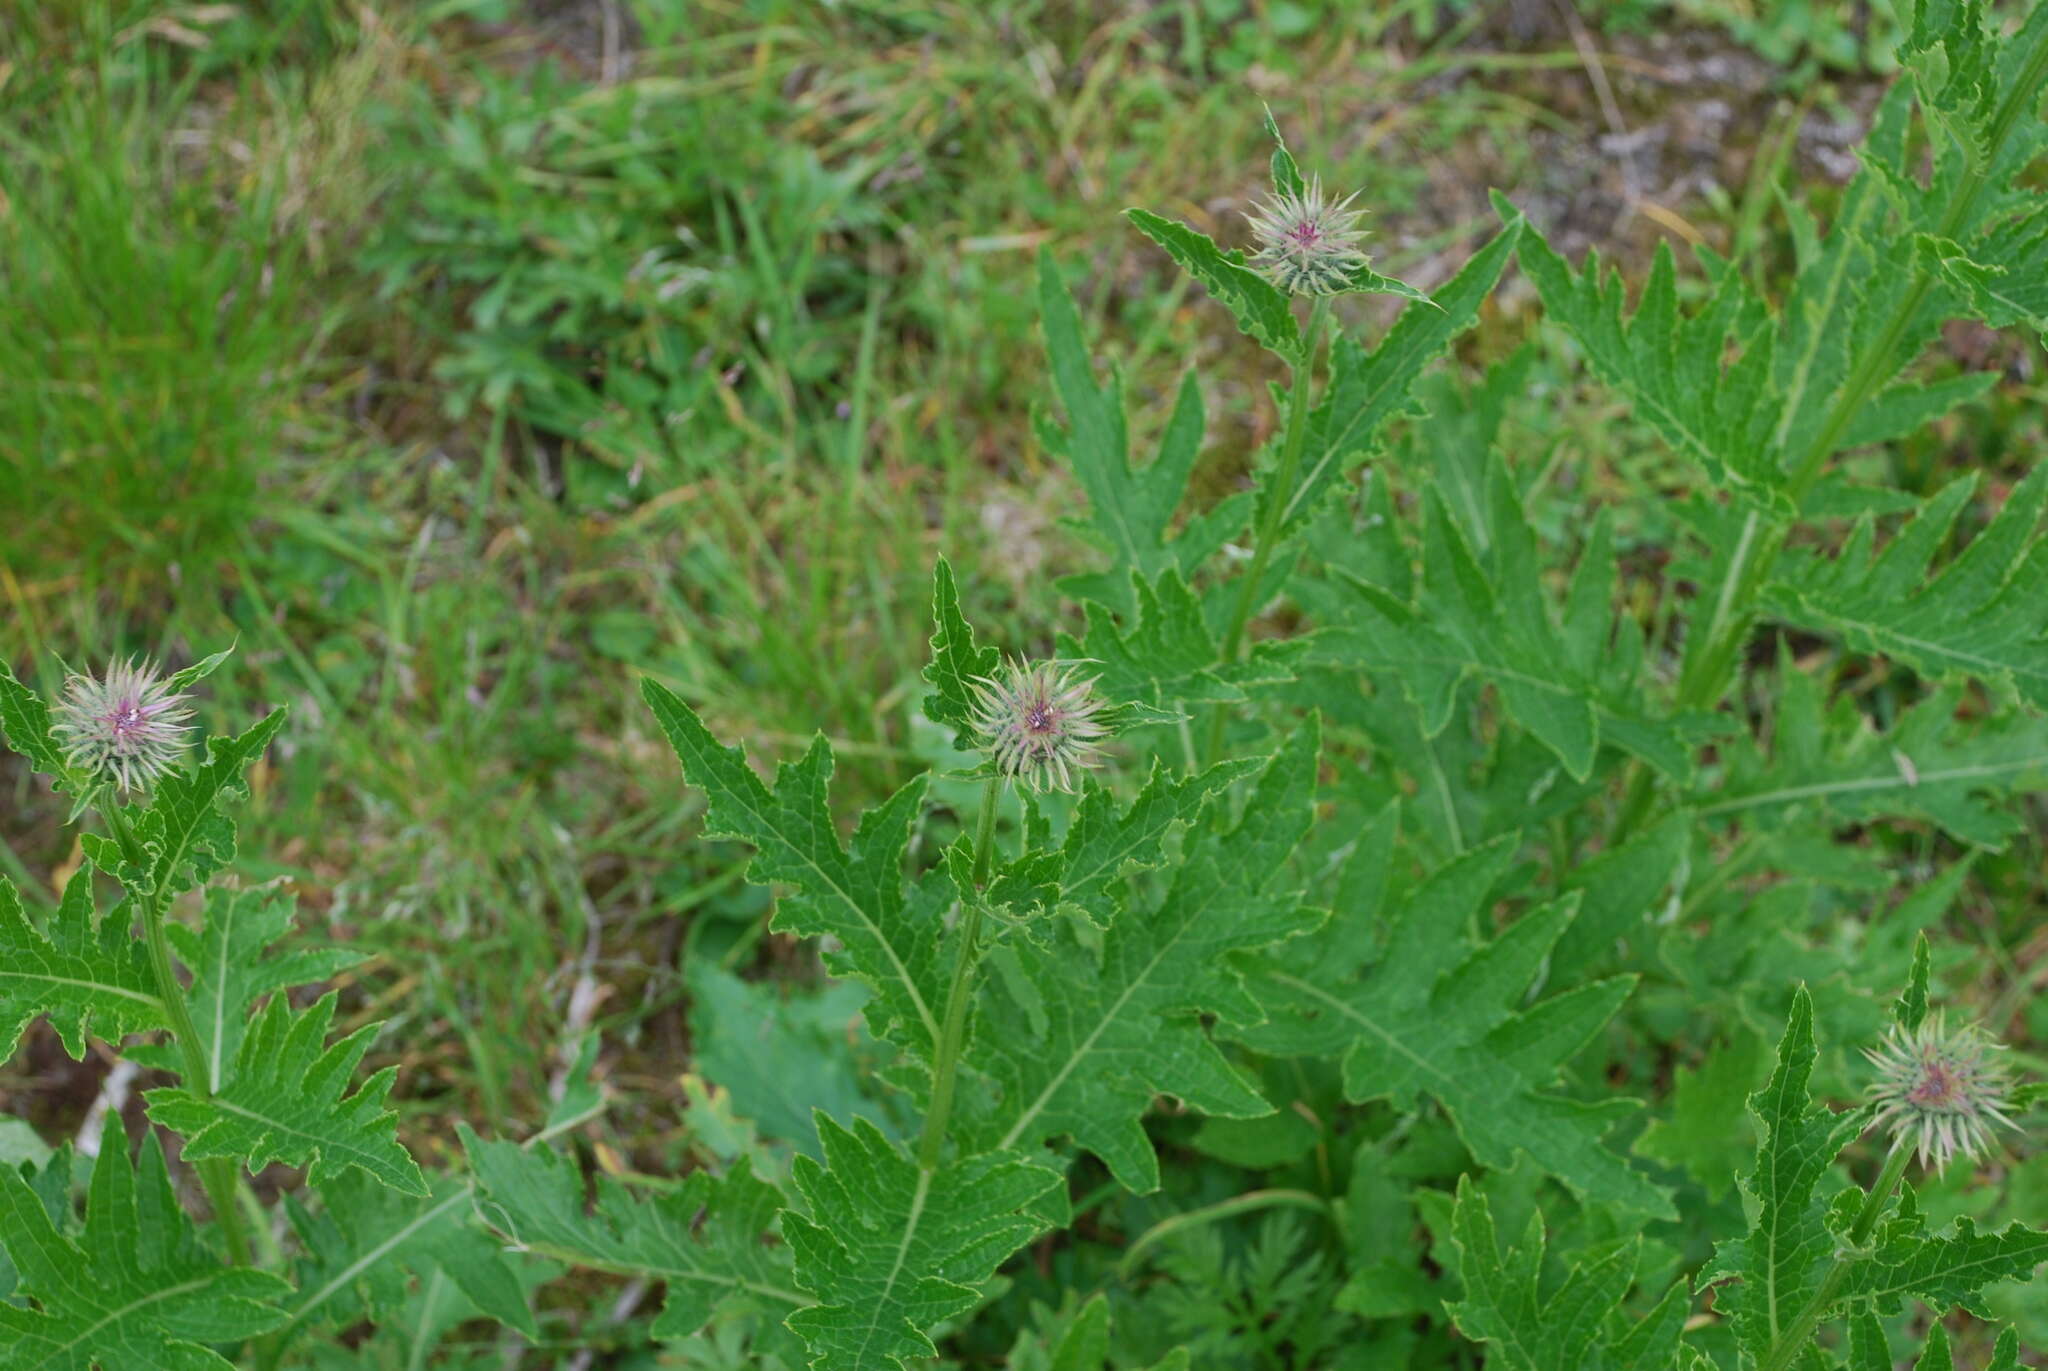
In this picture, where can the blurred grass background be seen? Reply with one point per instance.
(465, 360)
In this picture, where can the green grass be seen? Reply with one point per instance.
(463, 381)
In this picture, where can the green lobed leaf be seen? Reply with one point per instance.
(1693, 1132)
(1941, 1270)
(230, 971)
(1570, 674)
(1262, 310)
(890, 1249)
(779, 1052)
(1093, 1026)
(363, 1246)
(1671, 365)
(1439, 1014)
(184, 834)
(284, 1100)
(1163, 658)
(855, 896)
(1908, 408)
(88, 974)
(706, 1238)
(1363, 280)
(1579, 1323)
(956, 662)
(1932, 764)
(1780, 1266)
(1130, 512)
(1980, 617)
(135, 1289)
(25, 727)
(1104, 844)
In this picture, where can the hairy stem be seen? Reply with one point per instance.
(217, 1174)
(1267, 533)
(1799, 1333)
(946, 1066)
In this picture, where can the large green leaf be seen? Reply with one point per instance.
(1163, 659)
(285, 1100)
(1538, 1325)
(1828, 759)
(890, 1248)
(707, 1239)
(854, 896)
(956, 662)
(1672, 366)
(1570, 673)
(1780, 1266)
(1262, 310)
(1089, 1027)
(366, 1242)
(86, 973)
(1130, 511)
(1103, 844)
(230, 971)
(1439, 1013)
(1942, 1270)
(1982, 616)
(136, 1288)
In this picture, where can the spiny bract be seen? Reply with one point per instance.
(1308, 244)
(1939, 1091)
(126, 725)
(1038, 723)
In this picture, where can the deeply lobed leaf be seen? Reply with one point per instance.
(285, 1099)
(135, 1288)
(890, 1248)
(1440, 1014)
(87, 973)
(707, 1239)
(1090, 1027)
(855, 896)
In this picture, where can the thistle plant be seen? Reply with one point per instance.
(1471, 884)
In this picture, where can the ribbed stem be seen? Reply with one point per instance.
(1799, 1333)
(1267, 533)
(946, 1065)
(217, 1174)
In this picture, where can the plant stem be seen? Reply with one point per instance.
(217, 1174)
(1238, 1204)
(946, 1066)
(1267, 533)
(1799, 1332)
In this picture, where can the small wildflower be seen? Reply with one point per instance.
(1308, 245)
(1939, 1091)
(125, 725)
(1038, 723)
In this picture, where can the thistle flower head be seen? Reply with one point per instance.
(126, 725)
(1939, 1091)
(1308, 243)
(1038, 723)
